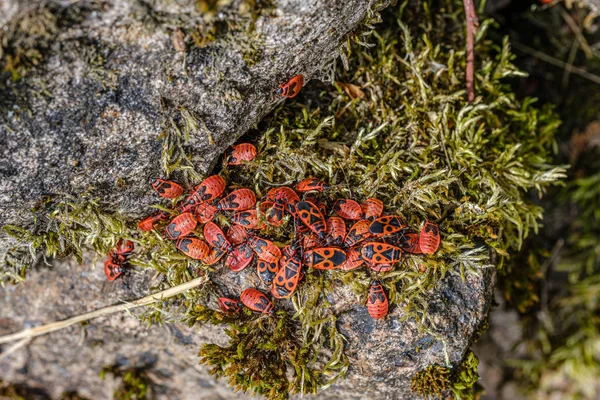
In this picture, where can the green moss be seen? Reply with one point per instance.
(135, 384)
(431, 381)
(437, 381)
(413, 141)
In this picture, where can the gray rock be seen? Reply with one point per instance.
(88, 118)
(385, 354)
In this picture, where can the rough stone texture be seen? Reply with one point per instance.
(384, 354)
(88, 118)
(111, 81)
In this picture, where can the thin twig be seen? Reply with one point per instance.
(556, 62)
(15, 347)
(472, 24)
(55, 326)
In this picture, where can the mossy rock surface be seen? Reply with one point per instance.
(88, 90)
(410, 139)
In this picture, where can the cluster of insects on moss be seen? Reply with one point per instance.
(354, 235)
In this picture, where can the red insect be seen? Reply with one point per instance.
(353, 259)
(271, 194)
(265, 206)
(216, 238)
(381, 267)
(237, 234)
(167, 189)
(357, 233)
(238, 200)
(377, 302)
(266, 271)
(229, 306)
(181, 226)
(429, 238)
(310, 215)
(311, 241)
(205, 212)
(210, 189)
(409, 243)
(286, 280)
(277, 212)
(285, 198)
(324, 258)
(372, 208)
(380, 253)
(292, 87)
(336, 231)
(241, 256)
(214, 256)
(193, 248)
(299, 227)
(256, 301)
(310, 184)
(112, 270)
(248, 219)
(147, 224)
(320, 205)
(265, 249)
(386, 225)
(348, 209)
(124, 248)
(240, 153)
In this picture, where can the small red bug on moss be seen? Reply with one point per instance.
(237, 234)
(336, 231)
(147, 224)
(238, 200)
(229, 306)
(214, 256)
(205, 212)
(286, 280)
(292, 87)
(310, 241)
(241, 256)
(248, 219)
(310, 184)
(265, 249)
(215, 237)
(193, 248)
(240, 153)
(357, 233)
(167, 189)
(112, 270)
(210, 189)
(310, 215)
(409, 243)
(381, 267)
(353, 259)
(256, 301)
(377, 302)
(266, 271)
(124, 248)
(429, 238)
(372, 208)
(348, 209)
(386, 225)
(325, 258)
(380, 253)
(182, 225)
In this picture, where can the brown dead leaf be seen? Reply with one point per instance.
(352, 90)
(179, 40)
(339, 147)
(582, 142)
